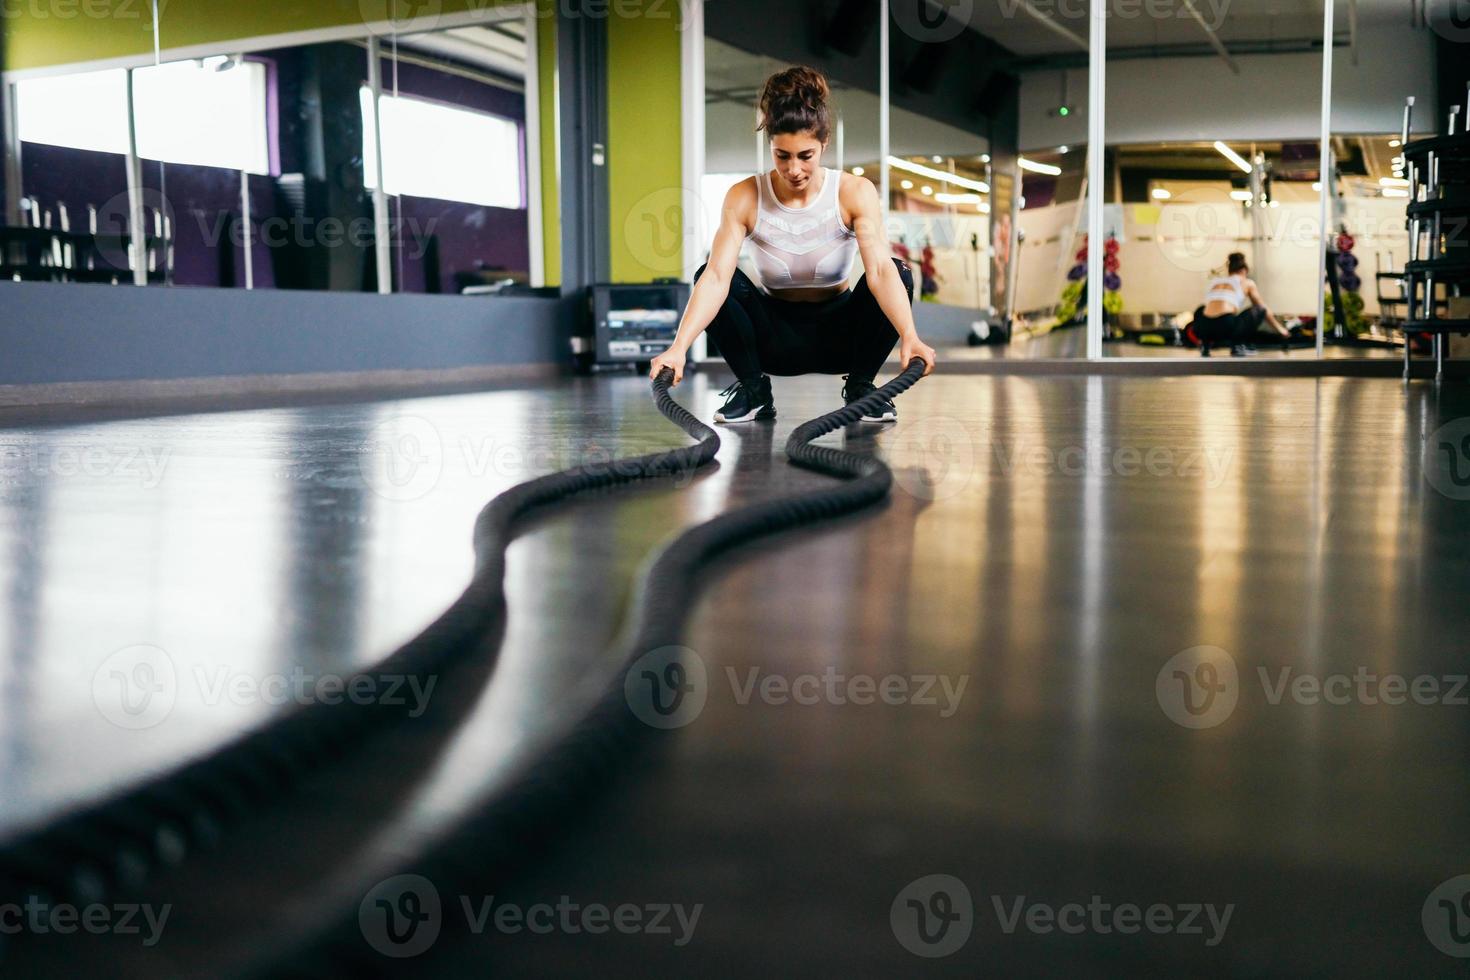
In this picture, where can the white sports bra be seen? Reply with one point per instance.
(797, 248)
(1227, 288)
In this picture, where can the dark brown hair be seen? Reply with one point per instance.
(1235, 263)
(795, 101)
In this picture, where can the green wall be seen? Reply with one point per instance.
(550, 98)
(645, 190)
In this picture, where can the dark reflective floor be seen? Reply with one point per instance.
(1029, 604)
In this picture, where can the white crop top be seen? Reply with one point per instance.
(1227, 288)
(796, 248)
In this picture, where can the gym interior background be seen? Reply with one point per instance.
(289, 290)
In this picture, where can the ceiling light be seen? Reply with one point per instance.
(949, 197)
(936, 159)
(1160, 194)
(1392, 182)
(1395, 192)
(1039, 168)
(1317, 186)
(1394, 143)
(857, 171)
(1063, 149)
(907, 185)
(939, 175)
(1240, 195)
(1232, 156)
(985, 158)
(927, 189)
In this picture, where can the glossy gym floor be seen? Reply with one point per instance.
(990, 678)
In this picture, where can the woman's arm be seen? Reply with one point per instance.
(1254, 295)
(714, 284)
(861, 199)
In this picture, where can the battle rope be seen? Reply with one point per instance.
(86, 855)
(516, 822)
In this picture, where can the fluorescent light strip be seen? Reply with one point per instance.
(946, 197)
(1232, 156)
(1040, 168)
(932, 174)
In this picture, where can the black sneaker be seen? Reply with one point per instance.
(1242, 350)
(1204, 350)
(855, 389)
(747, 400)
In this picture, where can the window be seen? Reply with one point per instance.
(443, 152)
(209, 113)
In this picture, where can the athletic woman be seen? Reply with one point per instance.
(806, 222)
(1233, 311)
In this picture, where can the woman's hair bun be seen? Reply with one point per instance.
(795, 101)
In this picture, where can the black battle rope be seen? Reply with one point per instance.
(86, 855)
(524, 818)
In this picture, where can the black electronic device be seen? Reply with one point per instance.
(633, 322)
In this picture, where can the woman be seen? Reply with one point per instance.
(1225, 317)
(806, 221)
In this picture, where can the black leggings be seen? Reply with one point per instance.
(847, 334)
(1232, 328)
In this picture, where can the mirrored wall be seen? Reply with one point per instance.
(389, 157)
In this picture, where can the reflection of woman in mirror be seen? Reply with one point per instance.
(806, 222)
(1000, 240)
(1233, 310)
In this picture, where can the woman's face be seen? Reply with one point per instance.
(797, 156)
